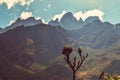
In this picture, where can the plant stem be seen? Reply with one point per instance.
(74, 75)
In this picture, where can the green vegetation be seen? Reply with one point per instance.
(104, 76)
(111, 77)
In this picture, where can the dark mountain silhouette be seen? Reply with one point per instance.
(91, 19)
(31, 21)
(54, 23)
(69, 22)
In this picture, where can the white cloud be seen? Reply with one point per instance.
(83, 15)
(59, 16)
(12, 3)
(95, 12)
(25, 15)
(11, 22)
(39, 18)
(49, 5)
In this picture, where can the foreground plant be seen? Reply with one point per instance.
(75, 65)
(108, 77)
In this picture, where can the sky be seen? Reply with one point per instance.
(106, 10)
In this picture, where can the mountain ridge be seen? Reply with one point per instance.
(37, 48)
(68, 22)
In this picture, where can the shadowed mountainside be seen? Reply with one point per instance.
(41, 41)
(33, 52)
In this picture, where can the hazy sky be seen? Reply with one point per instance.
(10, 10)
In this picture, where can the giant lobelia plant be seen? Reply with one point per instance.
(75, 65)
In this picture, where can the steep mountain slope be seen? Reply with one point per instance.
(22, 46)
(56, 72)
(25, 50)
(41, 41)
(10, 71)
(96, 35)
(113, 67)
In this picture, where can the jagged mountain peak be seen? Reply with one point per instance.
(28, 20)
(91, 19)
(69, 22)
(80, 20)
(54, 22)
(68, 14)
(31, 21)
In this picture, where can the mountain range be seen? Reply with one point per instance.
(30, 49)
(68, 22)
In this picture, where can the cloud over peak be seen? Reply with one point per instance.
(83, 15)
(12, 3)
(95, 12)
(59, 16)
(25, 15)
